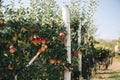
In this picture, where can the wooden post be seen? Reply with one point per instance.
(16, 77)
(116, 48)
(66, 19)
(33, 59)
(80, 54)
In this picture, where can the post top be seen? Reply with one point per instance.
(65, 5)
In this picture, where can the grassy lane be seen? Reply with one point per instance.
(113, 72)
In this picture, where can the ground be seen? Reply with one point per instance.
(112, 73)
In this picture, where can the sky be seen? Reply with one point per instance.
(107, 18)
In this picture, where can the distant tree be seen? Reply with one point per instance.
(109, 44)
(46, 11)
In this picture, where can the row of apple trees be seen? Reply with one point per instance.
(82, 15)
(38, 28)
(26, 31)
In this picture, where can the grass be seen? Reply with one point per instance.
(112, 76)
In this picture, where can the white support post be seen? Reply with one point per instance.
(79, 55)
(116, 49)
(33, 59)
(66, 19)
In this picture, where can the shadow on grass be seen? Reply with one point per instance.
(114, 76)
(109, 72)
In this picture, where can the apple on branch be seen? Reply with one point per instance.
(62, 35)
(52, 61)
(12, 49)
(10, 67)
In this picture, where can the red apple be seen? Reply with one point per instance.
(38, 40)
(62, 35)
(75, 53)
(42, 49)
(10, 67)
(43, 41)
(59, 61)
(12, 50)
(52, 61)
